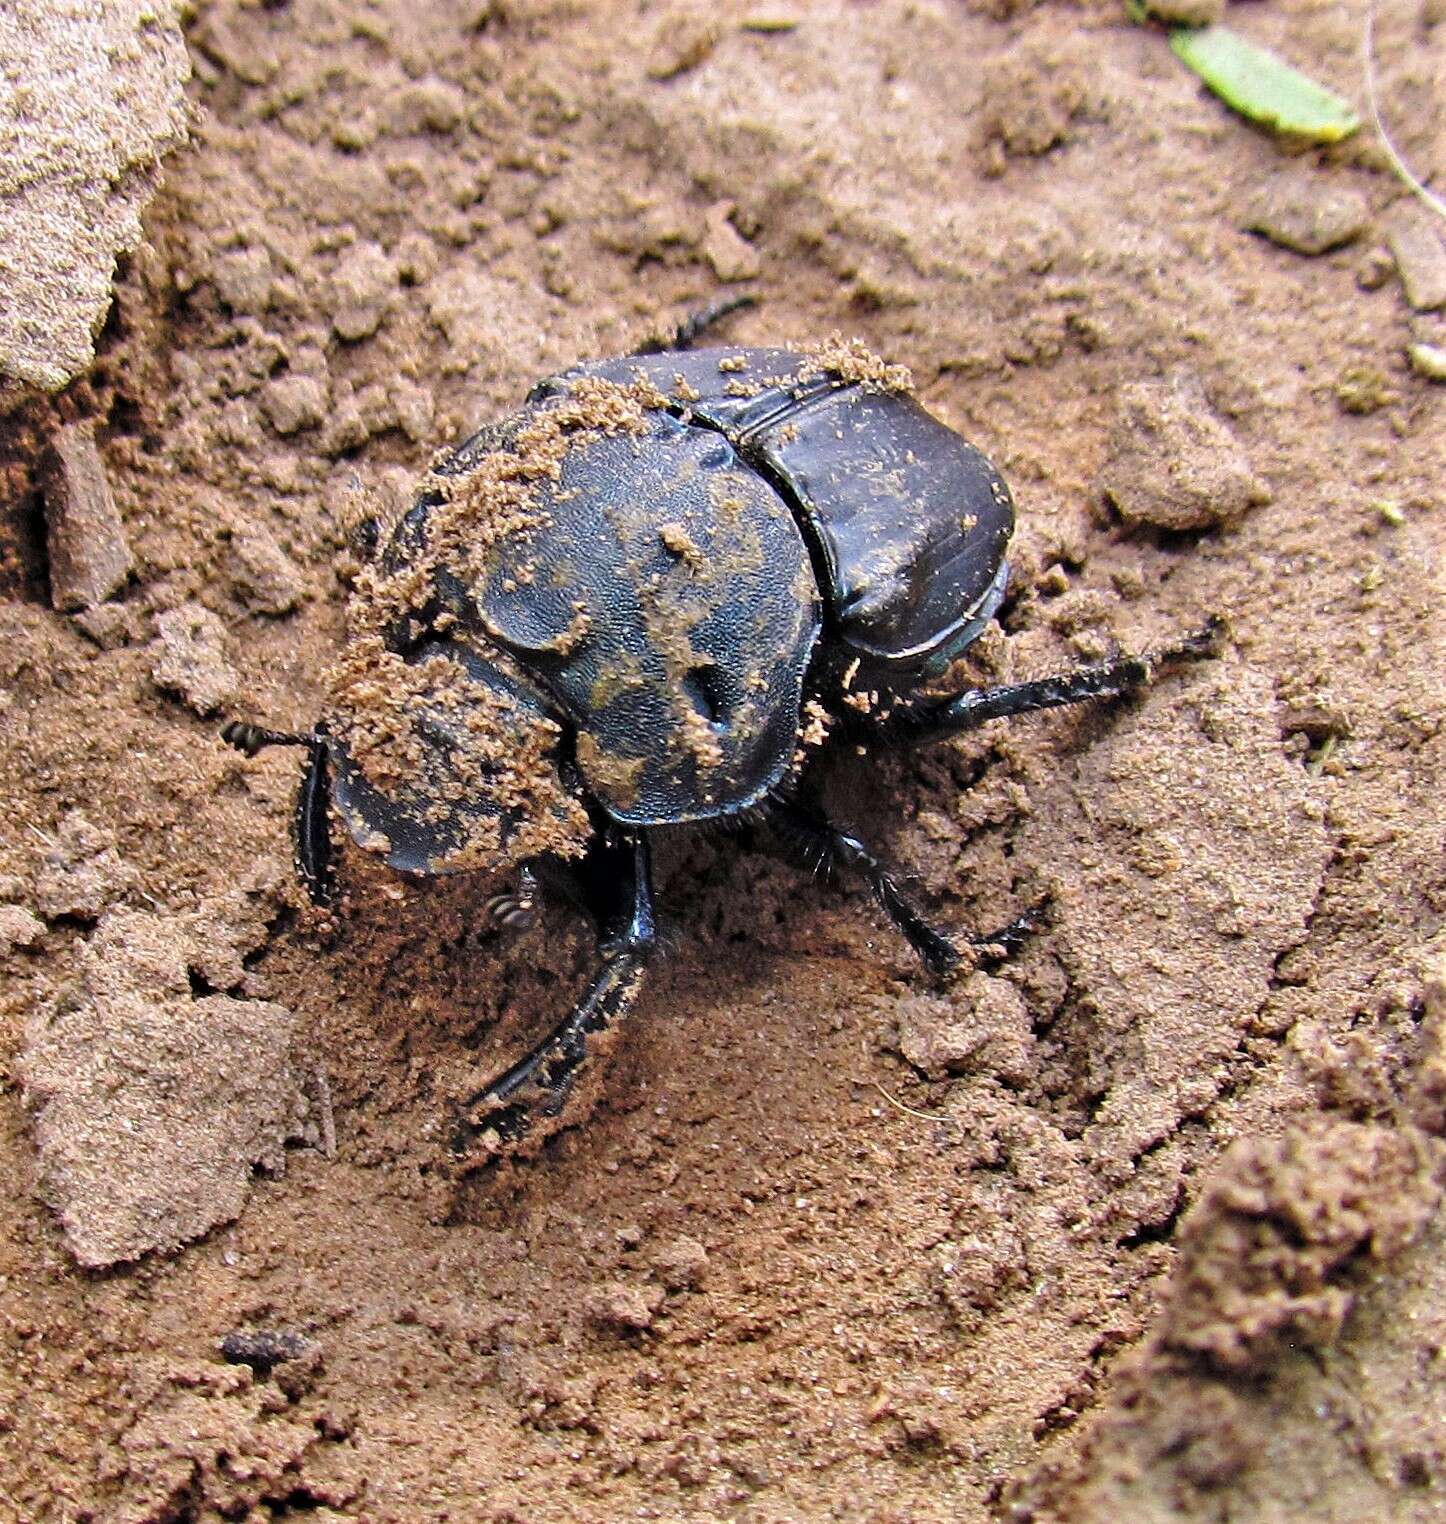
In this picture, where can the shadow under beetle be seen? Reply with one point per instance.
(646, 599)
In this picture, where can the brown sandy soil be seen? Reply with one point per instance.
(1141, 1226)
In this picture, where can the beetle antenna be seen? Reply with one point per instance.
(693, 327)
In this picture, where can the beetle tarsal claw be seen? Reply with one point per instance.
(999, 946)
(1206, 641)
(517, 911)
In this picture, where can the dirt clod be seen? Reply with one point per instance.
(266, 576)
(18, 928)
(85, 540)
(681, 1263)
(152, 1107)
(1420, 255)
(80, 871)
(982, 1027)
(293, 403)
(1032, 102)
(1306, 212)
(99, 101)
(245, 279)
(362, 288)
(1173, 463)
(624, 1307)
(733, 258)
(1264, 1251)
(189, 658)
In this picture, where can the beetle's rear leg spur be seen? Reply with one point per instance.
(311, 824)
(615, 883)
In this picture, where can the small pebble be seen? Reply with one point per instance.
(1421, 259)
(1307, 213)
(1428, 360)
(263, 1349)
(89, 556)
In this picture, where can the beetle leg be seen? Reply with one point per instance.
(693, 327)
(616, 882)
(814, 841)
(311, 822)
(931, 720)
(311, 826)
(517, 908)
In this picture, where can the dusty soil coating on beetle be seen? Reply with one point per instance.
(1144, 1225)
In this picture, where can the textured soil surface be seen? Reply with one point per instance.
(1141, 1224)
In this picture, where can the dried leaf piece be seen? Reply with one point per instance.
(1258, 84)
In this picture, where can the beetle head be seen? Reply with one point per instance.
(448, 763)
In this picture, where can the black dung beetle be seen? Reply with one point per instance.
(646, 599)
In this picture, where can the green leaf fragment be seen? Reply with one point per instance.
(1262, 86)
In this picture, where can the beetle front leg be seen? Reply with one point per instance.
(931, 720)
(311, 821)
(615, 881)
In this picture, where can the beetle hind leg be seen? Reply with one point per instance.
(616, 883)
